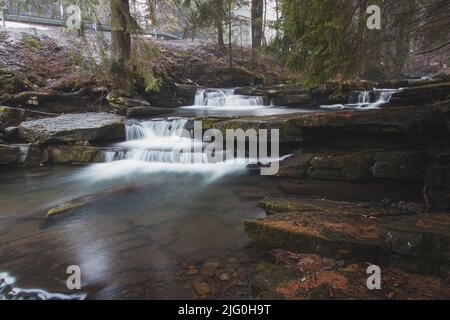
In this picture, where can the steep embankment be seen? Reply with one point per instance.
(59, 71)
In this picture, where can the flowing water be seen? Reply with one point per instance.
(140, 243)
(362, 100)
(224, 103)
(168, 217)
(160, 220)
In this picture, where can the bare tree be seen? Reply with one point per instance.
(257, 12)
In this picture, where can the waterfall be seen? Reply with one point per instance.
(151, 129)
(224, 99)
(159, 146)
(159, 141)
(362, 100)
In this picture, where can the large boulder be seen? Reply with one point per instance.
(72, 128)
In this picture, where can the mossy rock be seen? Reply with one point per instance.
(66, 207)
(76, 154)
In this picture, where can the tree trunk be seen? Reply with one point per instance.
(264, 24)
(278, 18)
(257, 22)
(219, 23)
(230, 20)
(120, 34)
(220, 40)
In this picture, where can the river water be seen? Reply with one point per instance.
(172, 229)
(175, 228)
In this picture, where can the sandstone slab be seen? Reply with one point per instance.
(72, 128)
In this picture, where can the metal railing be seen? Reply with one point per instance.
(87, 25)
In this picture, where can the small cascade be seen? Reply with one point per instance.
(226, 103)
(159, 141)
(225, 98)
(365, 100)
(158, 146)
(151, 129)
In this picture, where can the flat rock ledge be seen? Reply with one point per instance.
(72, 128)
(321, 250)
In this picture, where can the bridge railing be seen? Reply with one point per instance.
(87, 25)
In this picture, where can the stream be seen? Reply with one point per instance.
(180, 235)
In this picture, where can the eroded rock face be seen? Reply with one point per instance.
(420, 95)
(71, 128)
(385, 124)
(357, 166)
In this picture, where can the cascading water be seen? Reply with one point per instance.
(362, 100)
(226, 103)
(160, 146)
(225, 98)
(158, 141)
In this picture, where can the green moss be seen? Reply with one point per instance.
(65, 207)
(277, 206)
(30, 42)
